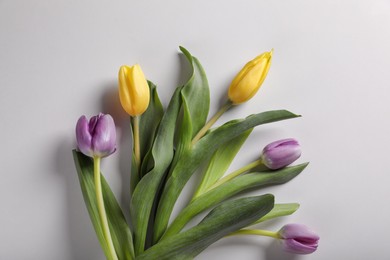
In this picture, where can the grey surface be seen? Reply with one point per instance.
(59, 59)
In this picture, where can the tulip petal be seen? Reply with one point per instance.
(133, 90)
(92, 123)
(248, 81)
(104, 136)
(287, 141)
(299, 239)
(296, 247)
(298, 230)
(83, 136)
(281, 153)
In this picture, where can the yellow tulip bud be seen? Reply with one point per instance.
(248, 81)
(134, 91)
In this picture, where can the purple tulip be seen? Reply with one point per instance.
(298, 239)
(281, 153)
(96, 138)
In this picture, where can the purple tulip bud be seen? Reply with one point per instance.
(281, 153)
(298, 239)
(96, 138)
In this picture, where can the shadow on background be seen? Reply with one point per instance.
(275, 252)
(83, 243)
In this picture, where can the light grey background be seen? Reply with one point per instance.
(59, 60)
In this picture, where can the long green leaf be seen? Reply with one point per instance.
(183, 133)
(202, 150)
(147, 188)
(195, 102)
(196, 94)
(120, 231)
(224, 191)
(279, 210)
(134, 174)
(148, 124)
(226, 218)
(220, 162)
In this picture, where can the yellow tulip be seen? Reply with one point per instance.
(248, 81)
(134, 91)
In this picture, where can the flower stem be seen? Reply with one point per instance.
(137, 150)
(212, 120)
(257, 232)
(236, 173)
(101, 209)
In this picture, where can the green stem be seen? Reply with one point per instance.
(101, 209)
(212, 120)
(236, 173)
(257, 232)
(137, 150)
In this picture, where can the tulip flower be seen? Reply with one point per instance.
(134, 95)
(298, 239)
(248, 81)
(275, 155)
(134, 91)
(96, 138)
(243, 87)
(281, 153)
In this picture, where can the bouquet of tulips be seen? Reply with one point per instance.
(172, 144)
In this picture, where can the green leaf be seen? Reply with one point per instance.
(194, 98)
(120, 231)
(228, 189)
(201, 151)
(279, 210)
(134, 176)
(226, 218)
(183, 133)
(148, 124)
(196, 94)
(220, 162)
(147, 188)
